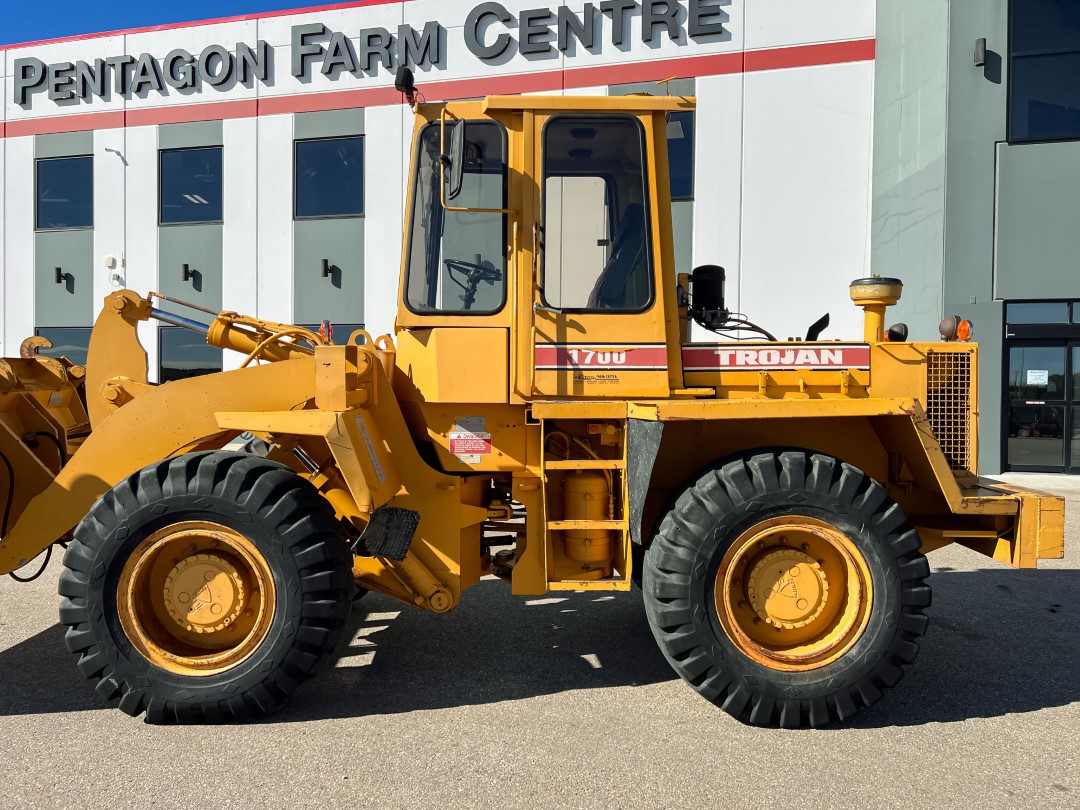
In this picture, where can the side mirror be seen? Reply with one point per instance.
(405, 83)
(457, 161)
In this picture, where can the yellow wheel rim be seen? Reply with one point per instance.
(793, 593)
(196, 598)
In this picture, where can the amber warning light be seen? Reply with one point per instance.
(955, 328)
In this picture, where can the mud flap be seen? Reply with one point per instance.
(642, 445)
(389, 533)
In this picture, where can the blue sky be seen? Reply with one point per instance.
(46, 19)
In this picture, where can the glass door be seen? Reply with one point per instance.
(1041, 391)
(1073, 449)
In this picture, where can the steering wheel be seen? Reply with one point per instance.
(473, 273)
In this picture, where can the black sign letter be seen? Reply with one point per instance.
(705, 20)
(29, 75)
(534, 31)
(422, 50)
(184, 77)
(619, 10)
(61, 81)
(472, 30)
(303, 49)
(659, 12)
(583, 29)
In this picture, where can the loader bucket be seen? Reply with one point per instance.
(43, 420)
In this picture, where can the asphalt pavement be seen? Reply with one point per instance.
(565, 701)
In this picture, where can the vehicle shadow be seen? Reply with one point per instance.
(494, 647)
(39, 676)
(1000, 642)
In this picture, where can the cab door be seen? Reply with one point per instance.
(599, 328)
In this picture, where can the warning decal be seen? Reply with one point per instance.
(469, 439)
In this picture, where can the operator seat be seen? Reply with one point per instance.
(627, 252)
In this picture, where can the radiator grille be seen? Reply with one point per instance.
(948, 405)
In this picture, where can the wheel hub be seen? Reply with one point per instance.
(196, 598)
(793, 593)
(204, 593)
(787, 588)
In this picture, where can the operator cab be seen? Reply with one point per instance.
(537, 235)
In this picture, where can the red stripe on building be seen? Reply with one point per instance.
(64, 123)
(825, 53)
(187, 113)
(830, 53)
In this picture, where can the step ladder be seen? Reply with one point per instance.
(619, 527)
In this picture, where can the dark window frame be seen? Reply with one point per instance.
(363, 178)
(692, 115)
(411, 192)
(161, 332)
(54, 352)
(38, 227)
(161, 186)
(645, 177)
(1013, 56)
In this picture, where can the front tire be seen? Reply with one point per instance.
(205, 588)
(787, 588)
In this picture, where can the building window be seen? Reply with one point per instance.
(329, 178)
(65, 193)
(1027, 313)
(186, 354)
(680, 134)
(191, 185)
(70, 342)
(1044, 63)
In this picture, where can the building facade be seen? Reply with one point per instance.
(977, 203)
(258, 164)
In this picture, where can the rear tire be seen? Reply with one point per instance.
(787, 588)
(205, 588)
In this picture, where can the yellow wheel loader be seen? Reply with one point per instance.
(541, 415)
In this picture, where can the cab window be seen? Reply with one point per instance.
(597, 251)
(458, 259)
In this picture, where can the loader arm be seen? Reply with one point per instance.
(157, 424)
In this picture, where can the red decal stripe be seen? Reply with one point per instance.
(766, 357)
(828, 53)
(587, 357)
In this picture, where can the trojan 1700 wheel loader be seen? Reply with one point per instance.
(541, 415)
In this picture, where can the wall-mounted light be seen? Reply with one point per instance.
(980, 52)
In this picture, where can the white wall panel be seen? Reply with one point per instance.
(585, 91)
(18, 242)
(142, 226)
(775, 23)
(718, 178)
(274, 250)
(386, 145)
(239, 259)
(806, 145)
(110, 192)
